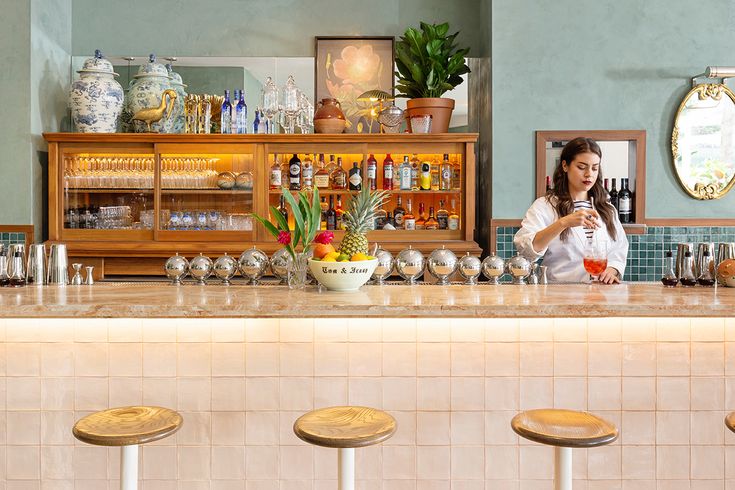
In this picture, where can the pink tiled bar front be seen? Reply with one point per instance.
(452, 384)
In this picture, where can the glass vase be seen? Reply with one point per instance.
(297, 271)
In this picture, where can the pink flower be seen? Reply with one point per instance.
(357, 65)
(325, 237)
(284, 238)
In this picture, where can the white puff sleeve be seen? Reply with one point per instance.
(539, 216)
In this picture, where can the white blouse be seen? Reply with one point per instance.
(564, 259)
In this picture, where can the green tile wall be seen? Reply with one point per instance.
(645, 255)
(7, 239)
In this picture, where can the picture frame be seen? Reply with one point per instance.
(346, 67)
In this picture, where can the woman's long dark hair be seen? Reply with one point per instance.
(559, 196)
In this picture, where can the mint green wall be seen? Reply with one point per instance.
(254, 27)
(15, 78)
(604, 64)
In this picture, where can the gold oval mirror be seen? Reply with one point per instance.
(703, 141)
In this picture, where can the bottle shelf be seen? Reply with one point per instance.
(225, 192)
(328, 192)
(111, 190)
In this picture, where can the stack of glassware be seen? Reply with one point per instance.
(290, 107)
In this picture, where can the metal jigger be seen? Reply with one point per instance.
(77, 279)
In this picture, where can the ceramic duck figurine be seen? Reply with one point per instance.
(155, 114)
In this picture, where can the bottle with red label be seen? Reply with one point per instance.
(372, 172)
(387, 173)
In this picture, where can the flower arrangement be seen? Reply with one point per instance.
(307, 221)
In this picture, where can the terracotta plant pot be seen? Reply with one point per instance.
(439, 108)
(329, 118)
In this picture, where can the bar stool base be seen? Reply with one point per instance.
(562, 468)
(129, 467)
(346, 463)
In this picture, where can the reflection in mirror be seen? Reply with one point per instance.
(212, 75)
(703, 141)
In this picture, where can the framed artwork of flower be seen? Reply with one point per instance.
(346, 67)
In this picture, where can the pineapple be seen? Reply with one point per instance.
(358, 219)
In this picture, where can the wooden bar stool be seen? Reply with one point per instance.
(345, 428)
(127, 427)
(563, 429)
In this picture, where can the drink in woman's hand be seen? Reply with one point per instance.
(594, 266)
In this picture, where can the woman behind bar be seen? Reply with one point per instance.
(559, 225)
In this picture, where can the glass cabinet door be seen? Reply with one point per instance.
(206, 192)
(107, 194)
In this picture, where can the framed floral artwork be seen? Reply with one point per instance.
(346, 67)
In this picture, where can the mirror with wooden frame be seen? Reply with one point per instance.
(703, 141)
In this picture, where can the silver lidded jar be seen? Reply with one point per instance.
(96, 98)
(176, 268)
(469, 268)
(385, 266)
(493, 267)
(280, 262)
(410, 264)
(225, 268)
(442, 263)
(200, 268)
(520, 268)
(253, 264)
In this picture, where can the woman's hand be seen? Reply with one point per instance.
(586, 218)
(610, 276)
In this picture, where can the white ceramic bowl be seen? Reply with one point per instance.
(342, 276)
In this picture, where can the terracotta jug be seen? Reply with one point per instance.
(329, 118)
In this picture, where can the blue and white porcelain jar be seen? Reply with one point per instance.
(146, 92)
(96, 99)
(177, 116)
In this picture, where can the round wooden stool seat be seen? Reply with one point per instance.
(565, 428)
(730, 421)
(345, 427)
(127, 426)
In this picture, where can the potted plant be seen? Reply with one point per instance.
(429, 65)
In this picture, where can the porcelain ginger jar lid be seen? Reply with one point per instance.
(97, 64)
(152, 69)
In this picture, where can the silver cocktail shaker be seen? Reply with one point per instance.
(36, 269)
(58, 265)
(724, 251)
(681, 249)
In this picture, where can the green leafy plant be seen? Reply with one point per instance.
(307, 220)
(429, 62)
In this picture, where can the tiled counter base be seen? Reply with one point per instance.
(453, 386)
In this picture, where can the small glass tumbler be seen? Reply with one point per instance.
(421, 124)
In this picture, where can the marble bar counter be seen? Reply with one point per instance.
(148, 300)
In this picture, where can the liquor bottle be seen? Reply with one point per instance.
(372, 172)
(331, 166)
(241, 115)
(263, 124)
(456, 175)
(687, 271)
(355, 179)
(398, 213)
(406, 175)
(614, 195)
(442, 216)
(331, 215)
(17, 278)
(307, 173)
(338, 209)
(4, 278)
(669, 278)
(225, 119)
(445, 181)
(324, 207)
(388, 173)
(256, 121)
(282, 209)
(625, 202)
(294, 173)
(321, 177)
(425, 177)
(605, 185)
(275, 175)
(389, 223)
(381, 218)
(453, 218)
(339, 176)
(421, 218)
(431, 222)
(409, 220)
(435, 175)
(285, 169)
(548, 183)
(415, 169)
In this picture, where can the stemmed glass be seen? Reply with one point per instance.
(595, 257)
(290, 101)
(270, 102)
